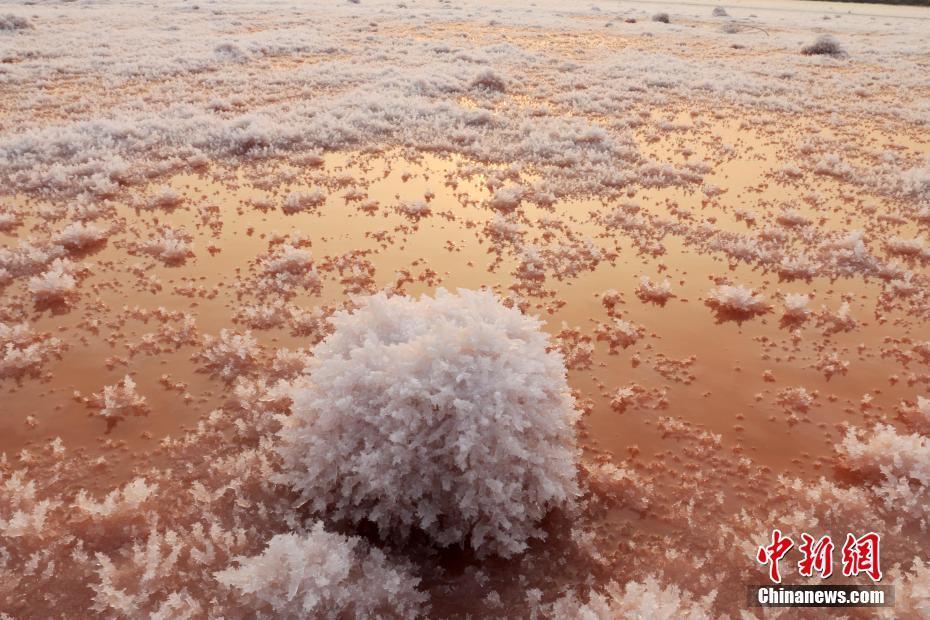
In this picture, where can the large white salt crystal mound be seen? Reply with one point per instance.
(441, 414)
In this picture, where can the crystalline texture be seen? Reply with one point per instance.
(325, 575)
(441, 414)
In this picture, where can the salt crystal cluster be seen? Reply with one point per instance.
(80, 236)
(287, 268)
(619, 334)
(414, 209)
(503, 228)
(506, 199)
(320, 574)
(637, 599)
(737, 299)
(899, 463)
(230, 354)
(164, 198)
(576, 348)
(655, 292)
(56, 285)
(121, 399)
(24, 351)
(441, 414)
(172, 246)
(295, 202)
(118, 501)
(796, 307)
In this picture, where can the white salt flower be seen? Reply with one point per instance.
(172, 247)
(619, 334)
(324, 575)
(532, 264)
(122, 399)
(792, 219)
(164, 198)
(56, 285)
(230, 354)
(884, 449)
(443, 414)
(9, 221)
(80, 236)
(23, 351)
(503, 228)
(796, 307)
(907, 247)
(911, 592)
(637, 599)
(295, 202)
(506, 198)
(124, 500)
(414, 209)
(287, 258)
(286, 268)
(737, 299)
(900, 463)
(655, 292)
(838, 321)
(796, 399)
(831, 365)
(923, 406)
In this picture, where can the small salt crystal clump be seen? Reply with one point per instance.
(655, 292)
(441, 414)
(506, 199)
(414, 209)
(24, 351)
(56, 285)
(324, 575)
(9, 221)
(80, 236)
(923, 406)
(737, 299)
(899, 246)
(229, 355)
(118, 501)
(503, 228)
(796, 307)
(303, 201)
(122, 399)
(619, 334)
(287, 268)
(172, 247)
(164, 198)
(637, 599)
(288, 258)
